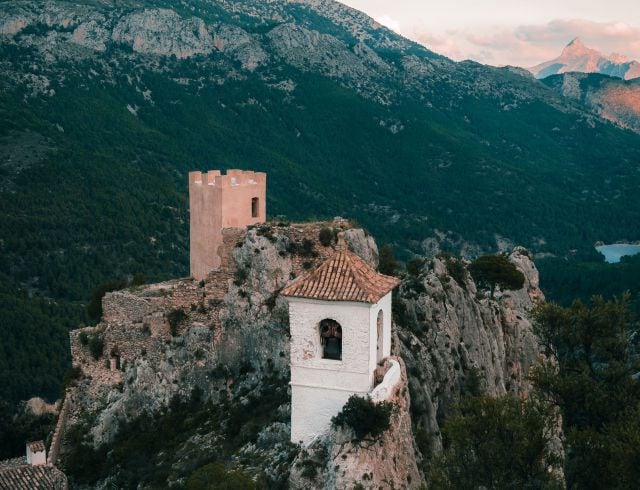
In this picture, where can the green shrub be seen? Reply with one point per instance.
(83, 338)
(240, 276)
(70, 376)
(139, 279)
(96, 346)
(308, 248)
(457, 270)
(387, 262)
(500, 442)
(414, 266)
(215, 476)
(364, 417)
(326, 236)
(176, 317)
(309, 469)
(496, 270)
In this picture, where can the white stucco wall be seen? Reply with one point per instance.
(385, 389)
(320, 387)
(36, 458)
(312, 409)
(385, 305)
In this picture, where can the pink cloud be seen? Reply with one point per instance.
(528, 45)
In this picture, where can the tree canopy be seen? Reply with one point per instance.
(593, 379)
(496, 270)
(500, 442)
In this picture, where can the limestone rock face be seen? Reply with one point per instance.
(240, 45)
(163, 32)
(92, 35)
(363, 245)
(452, 336)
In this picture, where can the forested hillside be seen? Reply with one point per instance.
(107, 105)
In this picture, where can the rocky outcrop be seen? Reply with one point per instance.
(455, 340)
(240, 45)
(172, 337)
(228, 335)
(163, 32)
(362, 244)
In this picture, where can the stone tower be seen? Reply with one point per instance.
(340, 320)
(216, 202)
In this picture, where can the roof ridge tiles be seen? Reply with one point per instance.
(342, 277)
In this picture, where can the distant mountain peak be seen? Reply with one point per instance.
(578, 57)
(576, 41)
(577, 49)
(619, 58)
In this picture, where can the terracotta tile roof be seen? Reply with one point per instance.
(12, 463)
(36, 446)
(342, 277)
(28, 477)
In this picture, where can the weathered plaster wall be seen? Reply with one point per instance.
(386, 463)
(312, 408)
(383, 305)
(320, 387)
(386, 388)
(216, 202)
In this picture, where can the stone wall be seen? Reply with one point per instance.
(58, 434)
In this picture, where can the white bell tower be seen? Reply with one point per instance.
(340, 319)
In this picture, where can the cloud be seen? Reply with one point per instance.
(528, 45)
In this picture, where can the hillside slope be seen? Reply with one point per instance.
(613, 99)
(107, 105)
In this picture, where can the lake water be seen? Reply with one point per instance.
(613, 253)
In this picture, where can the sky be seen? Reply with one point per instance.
(511, 32)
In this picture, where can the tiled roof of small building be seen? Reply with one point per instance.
(12, 463)
(28, 477)
(36, 446)
(342, 277)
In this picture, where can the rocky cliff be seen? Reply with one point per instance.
(613, 99)
(455, 340)
(227, 338)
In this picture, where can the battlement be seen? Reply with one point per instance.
(216, 202)
(233, 178)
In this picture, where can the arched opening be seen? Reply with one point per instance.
(255, 208)
(331, 339)
(380, 341)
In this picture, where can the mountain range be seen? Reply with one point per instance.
(611, 98)
(106, 106)
(577, 57)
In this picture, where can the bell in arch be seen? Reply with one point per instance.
(331, 336)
